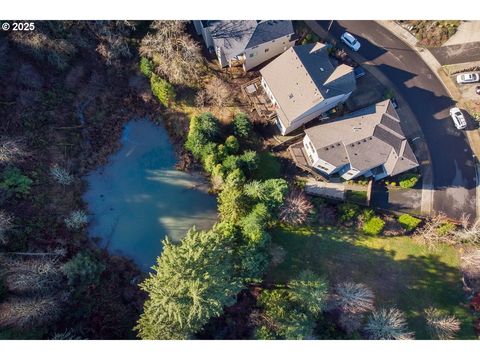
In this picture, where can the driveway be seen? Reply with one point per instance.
(456, 54)
(454, 175)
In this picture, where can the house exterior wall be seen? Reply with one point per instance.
(263, 52)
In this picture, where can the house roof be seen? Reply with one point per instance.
(304, 76)
(234, 36)
(366, 138)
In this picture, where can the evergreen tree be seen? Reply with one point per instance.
(192, 282)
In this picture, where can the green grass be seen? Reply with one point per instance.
(268, 167)
(401, 272)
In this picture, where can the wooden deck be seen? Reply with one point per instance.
(300, 159)
(256, 95)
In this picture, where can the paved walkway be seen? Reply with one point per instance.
(468, 31)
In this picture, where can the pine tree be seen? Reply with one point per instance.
(191, 283)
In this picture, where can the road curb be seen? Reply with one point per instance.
(411, 41)
(435, 67)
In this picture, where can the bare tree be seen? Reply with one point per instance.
(220, 93)
(354, 298)
(40, 275)
(468, 233)
(66, 335)
(11, 150)
(26, 312)
(216, 93)
(387, 324)
(113, 39)
(5, 224)
(76, 220)
(176, 55)
(442, 327)
(470, 263)
(61, 175)
(296, 208)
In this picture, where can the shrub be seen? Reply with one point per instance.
(146, 66)
(231, 145)
(76, 220)
(83, 269)
(162, 89)
(409, 222)
(374, 226)
(408, 180)
(367, 214)
(348, 211)
(241, 126)
(14, 182)
(446, 228)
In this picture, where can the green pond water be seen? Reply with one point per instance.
(138, 198)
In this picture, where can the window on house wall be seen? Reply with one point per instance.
(252, 55)
(266, 50)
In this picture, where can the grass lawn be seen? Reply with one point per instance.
(398, 270)
(268, 167)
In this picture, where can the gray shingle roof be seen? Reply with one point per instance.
(302, 77)
(234, 36)
(369, 137)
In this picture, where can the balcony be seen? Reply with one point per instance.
(254, 92)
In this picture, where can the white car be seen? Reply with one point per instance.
(349, 40)
(468, 78)
(458, 118)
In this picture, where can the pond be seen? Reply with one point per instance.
(138, 197)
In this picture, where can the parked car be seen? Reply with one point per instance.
(477, 90)
(349, 40)
(458, 118)
(468, 78)
(359, 72)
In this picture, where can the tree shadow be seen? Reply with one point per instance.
(410, 282)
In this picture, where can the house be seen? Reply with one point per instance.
(303, 83)
(246, 43)
(368, 142)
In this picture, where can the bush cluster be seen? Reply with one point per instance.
(409, 222)
(408, 180)
(348, 211)
(374, 226)
(163, 90)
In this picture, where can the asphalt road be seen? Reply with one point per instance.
(454, 174)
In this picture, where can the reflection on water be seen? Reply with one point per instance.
(138, 197)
